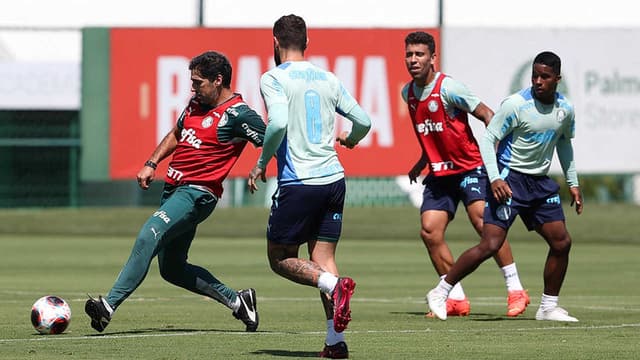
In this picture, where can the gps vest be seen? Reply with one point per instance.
(200, 158)
(448, 141)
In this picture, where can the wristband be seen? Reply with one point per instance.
(151, 164)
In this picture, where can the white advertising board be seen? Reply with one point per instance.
(34, 85)
(601, 76)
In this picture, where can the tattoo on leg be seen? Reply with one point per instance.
(302, 271)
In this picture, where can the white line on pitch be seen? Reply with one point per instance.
(265, 333)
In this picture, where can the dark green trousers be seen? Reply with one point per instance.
(168, 233)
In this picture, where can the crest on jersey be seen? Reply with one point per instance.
(223, 120)
(560, 115)
(206, 122)
(433, 106)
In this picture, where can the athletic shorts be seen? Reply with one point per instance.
(534, 198)
(445, 192)
(301, 213)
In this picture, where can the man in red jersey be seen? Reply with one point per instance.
(439, 108)
(209, 136)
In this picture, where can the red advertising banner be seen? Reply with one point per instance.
(150, 85)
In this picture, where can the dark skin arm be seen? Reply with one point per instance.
(576, 198)
(418, 167)
(483, 113)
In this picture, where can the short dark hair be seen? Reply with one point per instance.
(550, 59)
(421, 37)
(210, 64)
(291, 32)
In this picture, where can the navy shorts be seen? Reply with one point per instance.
(301, 213)
(445, 192)
(534, 198)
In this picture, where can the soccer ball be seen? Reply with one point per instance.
(50, 315)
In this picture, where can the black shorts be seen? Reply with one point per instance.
(445, 192)
(301, 213)
(534, 198)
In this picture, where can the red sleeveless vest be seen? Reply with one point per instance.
(448, 141)
(200, 158)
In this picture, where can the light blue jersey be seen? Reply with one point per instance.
(528, 132)
(302, 101)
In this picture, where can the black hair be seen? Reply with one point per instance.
(421, 37)
(550, 59)
(291, 32)
(210, 64)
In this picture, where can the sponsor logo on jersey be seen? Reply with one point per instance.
(207, 122)
(432, 106)
(251, 133)
(428, 126)
(560, 115)
(189, 136)
(174, 174)
(441, 166)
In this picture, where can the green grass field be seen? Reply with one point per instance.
(70, 252)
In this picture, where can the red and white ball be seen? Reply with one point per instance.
(50, 315)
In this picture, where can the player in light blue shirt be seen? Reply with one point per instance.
(527, 128)
(302, 101)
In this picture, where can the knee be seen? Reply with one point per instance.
(274, 263)
(561, 245)
(431, 237)
(170, 275)
(490, 246)
(149, 236)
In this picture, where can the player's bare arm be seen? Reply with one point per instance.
(166, 147)
(483, 113)
(576, 198)
(417, 168)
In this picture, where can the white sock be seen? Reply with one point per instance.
(444, 287)
(548, 302)
(107, 306)
(333, 337)
(456, 292)
(511, 278)
(327, 282)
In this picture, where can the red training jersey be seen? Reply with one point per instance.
(448, 141)
(200, 157)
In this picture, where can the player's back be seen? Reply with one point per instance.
(313, 96)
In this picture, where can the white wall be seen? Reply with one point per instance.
(70, 15)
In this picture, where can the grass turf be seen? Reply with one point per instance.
(70, 252)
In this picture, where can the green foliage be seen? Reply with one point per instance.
(600, 188)
(71, 253)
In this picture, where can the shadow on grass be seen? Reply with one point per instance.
(151, 331)
(472, 317)
(287, 353)
(164, 330)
